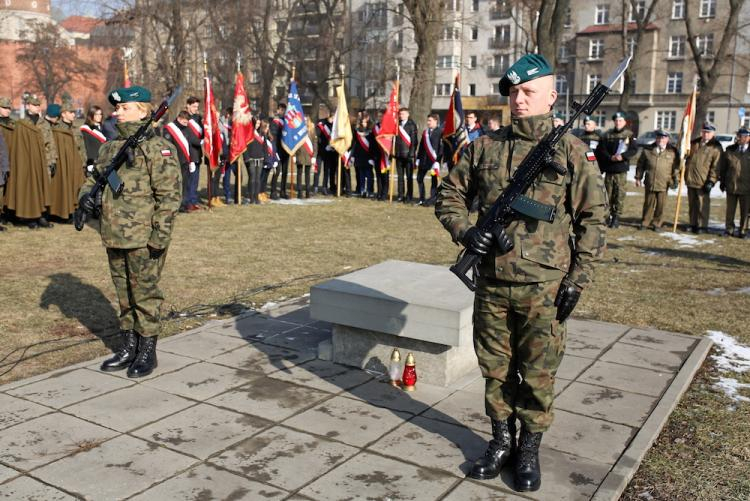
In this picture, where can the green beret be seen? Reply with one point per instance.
(619, 114)
(5, 102)
(529, 67)
(135, 94)
(558, 115)
(32, 99)
(53, 110)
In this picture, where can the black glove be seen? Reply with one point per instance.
(708, 186)
(88, 204)
(673, 186)
(721, 186)
(504, 243)
(52, 169)
(476, 241)
(551, 163)
(566, 300)
(154, 253)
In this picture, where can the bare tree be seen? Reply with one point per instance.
(550, 27)
(708, 63)
(641, 23)
(50, 62)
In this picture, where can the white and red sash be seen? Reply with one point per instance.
(308, 146)
(363, 142)
(269, 146)
(278, 121)
(96, 134)
(428, 148)
(179, 138)
(195, 127)
(325, 130)
(257, 136)
(404, 135)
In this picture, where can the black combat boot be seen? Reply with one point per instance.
(145, 362)
(125, 355)
(527, 475)
(498, 451)
(615, 222)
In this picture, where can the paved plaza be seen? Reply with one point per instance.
(243, 409)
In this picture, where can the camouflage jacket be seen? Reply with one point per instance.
(50, 147)
(734, 171)
(658, 171)
(543, 251)
(703, 163)
(145, 212)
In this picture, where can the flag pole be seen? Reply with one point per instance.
(338, 156)
(206, 110)
(240, 160)
(393, 141)
(685, 147)
(289, 165)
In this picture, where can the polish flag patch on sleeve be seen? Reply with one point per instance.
(166, 153)
(590, 156)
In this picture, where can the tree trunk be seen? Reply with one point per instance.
(550, 26)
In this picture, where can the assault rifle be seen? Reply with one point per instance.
(109, 177)
(512, 202)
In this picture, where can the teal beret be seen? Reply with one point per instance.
(135, 94)
(558, 115)
(588, 118)
(619, 114)
(529, 67)
(53, 110)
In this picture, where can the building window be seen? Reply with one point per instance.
(593, 81)
(601, 15)
(475, 6)
(451, 5)
(600, 117)
(496, 88)
(748, 84)
(630, 46)
(563, 52)
(561, 84)
(596, 49)
(447, 62)
(711, 116)
(472, 90)
(502, 32)
(474, 33)
(442, 89)
(472, 62)
(568, 19)
(705, 44)
(666, 120)
(500, 63)
(678, 9)
(638, 12)
(674, 83)
(677, 46)
(708, 8)
(451, 33)
(254, 77)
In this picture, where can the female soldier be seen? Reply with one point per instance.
(136, 228)
(93, 137)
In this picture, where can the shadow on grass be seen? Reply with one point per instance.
(700, 256)
(84, 303)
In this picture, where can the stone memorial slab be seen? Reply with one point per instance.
(594, 439)
(15, 410)
(202, 430)
(206, 482)
(202, 346)
(642, 356)
(347, 420)
(31, 490)
(627, 378)
(378, 477)
(201, 381)
(284, 458)
(263, 358)
(114, 470)
(610, 404)
(69, 388)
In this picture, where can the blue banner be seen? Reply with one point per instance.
(295, 129)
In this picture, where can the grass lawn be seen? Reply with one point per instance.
(58, 301)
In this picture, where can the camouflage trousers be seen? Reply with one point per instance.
(616, 184)
(519, 345)
(136, 277)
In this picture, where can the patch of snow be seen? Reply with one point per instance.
(731, 387)
(626, 239)
(744, 290)
(684, 240)
(716, 292)
(269, 306)
(652, 253)
(733, 357)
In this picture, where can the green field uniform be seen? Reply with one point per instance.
(50, 147)
(514, 313)
(702, 166)
(658, 170)
(143, 216)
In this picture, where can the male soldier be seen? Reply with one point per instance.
(558, 119)
(614, 152)
(590, 135)
(71, 158)
(660, 165)
(277, 126)
(429, 156)
(187, 145)
(7, 124)
(701, 173)
(136, 229)
(4, 170)
(473, 127)
(532, 274)
(406, 145)
(327, 156)
(734, 178)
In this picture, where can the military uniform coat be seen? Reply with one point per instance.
(68, 179)
(658, 170)
(28, 191)
(608, 146)
(50, 148)
(703, 163)
(734, 170)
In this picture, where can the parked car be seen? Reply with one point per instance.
(725, 140)
(649, 137)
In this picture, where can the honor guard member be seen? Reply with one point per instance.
(136, 229)
(590, 135)
(186, 143)
(71, 157)
(614, 152)
(429, 156)
(277, 126)
(327, 156)
(7, 125)
(406, 146)
(701, 174)
(558, 119)
(531, 276)
(734, 178)
(473, 127)
(657, 170)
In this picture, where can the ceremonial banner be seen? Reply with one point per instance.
(295, 130)
(212, 142)
(686, 133)
(242, 124)
(341, 135)
(389, 124)
(454, 132)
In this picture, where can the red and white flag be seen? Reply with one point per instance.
(242, 123)
(212, 142)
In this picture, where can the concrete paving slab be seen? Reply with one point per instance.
(627, 378)
(451, 448)
(560, 385)
(295, 313)
(31, 490)
(347, 420)
(594, 439)
(284, 458)
(7, 473)
(15, 410)
(69, 388)
(587, 345)
(572, 366)
(201, 381)
(263, 358)
(302, 338)
(202, 346)
(378, 477)
(47, 438)
(641, 356)
(254, 327)
(381, 393)
(610, 404)
(202, 430)
(464, 408)
(269, 398)
(476, 386)
(129, 408)
(167, 362)
(324, 376)
(469, 490)
(207, 482)
(602, 330)
(659, 340)
(116, 469)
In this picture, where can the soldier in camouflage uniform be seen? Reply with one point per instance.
(531, 278)
(136, 229)
(614, 151)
